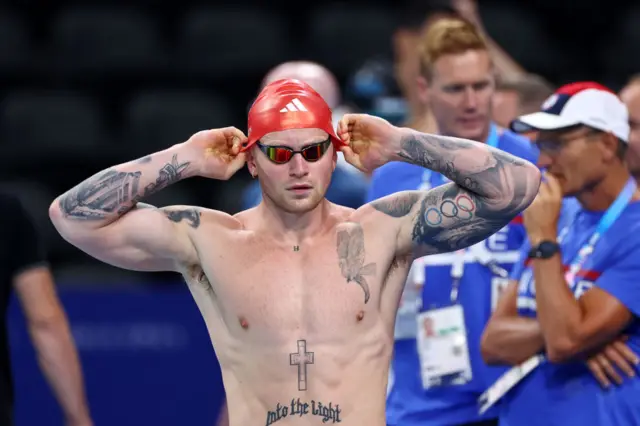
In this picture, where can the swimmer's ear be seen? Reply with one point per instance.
(251, 163)
(422, 87)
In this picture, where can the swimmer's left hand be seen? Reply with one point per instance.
(541, 217)
(370, 140)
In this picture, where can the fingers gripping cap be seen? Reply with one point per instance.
(289, 104)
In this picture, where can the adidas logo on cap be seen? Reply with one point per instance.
(294, 106)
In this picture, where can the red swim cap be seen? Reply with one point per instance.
(289, 104)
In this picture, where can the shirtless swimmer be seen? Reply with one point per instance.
(299, 295)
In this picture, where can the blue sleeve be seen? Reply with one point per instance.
(347, 189)
(622, 279)
(379, 186)
(252, 195)
(518, 267)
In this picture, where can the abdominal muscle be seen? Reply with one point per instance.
(345, 383)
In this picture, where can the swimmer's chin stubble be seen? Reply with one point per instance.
(489, 188)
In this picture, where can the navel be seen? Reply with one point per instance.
(360, 316)
(243, 322)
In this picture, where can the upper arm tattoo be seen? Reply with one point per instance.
(450, 218)
(490, 187)
(191, 215)
(396, 206)
(116, 192)
(444, 219)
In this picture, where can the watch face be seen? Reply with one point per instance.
(547, 248)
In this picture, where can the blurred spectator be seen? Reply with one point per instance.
(630, 95)
(457, 81)
(416, 16)
(348, 185)
(576, 288)
(25, 270)
(518, 95)
(373, 89)
(506, 67)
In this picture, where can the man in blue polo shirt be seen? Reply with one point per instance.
(424, 389)
(577, 286)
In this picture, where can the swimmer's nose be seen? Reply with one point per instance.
(298, 166)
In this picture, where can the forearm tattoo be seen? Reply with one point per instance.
(351, 255)
(116, 192)
(490, 187)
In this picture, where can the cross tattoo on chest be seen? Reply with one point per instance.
(301, 359)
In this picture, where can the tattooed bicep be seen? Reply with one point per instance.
(451, 218)
(443, 219)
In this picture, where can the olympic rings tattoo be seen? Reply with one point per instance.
(465, 204)
(449, 209)
(433, 217)
(462, 208)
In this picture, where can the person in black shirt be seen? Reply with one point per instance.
(23, 267)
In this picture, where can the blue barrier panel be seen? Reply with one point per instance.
(146, 356)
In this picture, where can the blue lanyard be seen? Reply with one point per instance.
(609, 218)
(428, 176)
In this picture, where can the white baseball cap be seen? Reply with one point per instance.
(587, 103)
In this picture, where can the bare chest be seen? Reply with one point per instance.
(328, 287)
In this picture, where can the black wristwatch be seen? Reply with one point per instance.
(544, 250)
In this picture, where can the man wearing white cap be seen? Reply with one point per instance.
(576, 291)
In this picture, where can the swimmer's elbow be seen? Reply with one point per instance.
(517, 190)
(526, 182)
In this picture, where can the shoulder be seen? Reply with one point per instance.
(626, 234)
(518, 145)
(341, 214)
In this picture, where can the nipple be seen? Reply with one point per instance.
(244, 323)
(360, 316)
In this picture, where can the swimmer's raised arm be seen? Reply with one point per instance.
(103, 215)
(489, 186)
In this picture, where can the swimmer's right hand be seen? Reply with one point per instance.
(218, 152)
